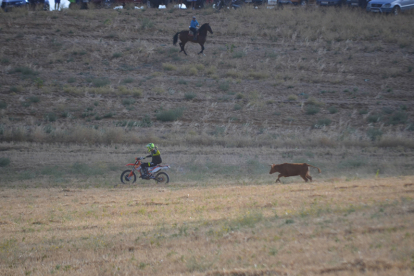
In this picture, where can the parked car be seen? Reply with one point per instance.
(254, 2)
(330, 2)
(6, 5)
(39, 3)
(157, 3)
(389, 6)
(295, 2)
(357, 3)
(115, 3)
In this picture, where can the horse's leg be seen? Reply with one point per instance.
(183, 48)
(202, 48)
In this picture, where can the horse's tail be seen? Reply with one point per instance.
(175, 39)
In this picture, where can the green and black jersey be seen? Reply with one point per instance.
(156, 156)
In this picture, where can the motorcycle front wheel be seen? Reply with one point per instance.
(125, 179)
(162, 178)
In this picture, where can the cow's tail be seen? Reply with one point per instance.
(315, 167)
(175, 39)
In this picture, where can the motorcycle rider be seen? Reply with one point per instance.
(156, 159)
(193, 27)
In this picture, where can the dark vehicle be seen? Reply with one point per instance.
(330, 2)
(78, 4)
(357, 3)
(389, 6)
(198, 5)
(254, 2)
(296, 2)
(114, 3)
(7, 5)
(39, 3)
(219, 4)
(156, 3)
(235, 4)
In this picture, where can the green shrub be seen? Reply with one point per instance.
(15, 89)
(108, 115)
(3, 104)
(387, 110)
(100, 82)
(363, 111)
(189, 96)
(311, 109)
(239, 96)
(224, 86)
(218, 131)
(237, 107)
(48, 129)
(313, 101)
(169, 67)
(34, 99)
(322, 122)
(26, 72)
(4, 161)
(128, 80)
(292, 98)
(399, 117)
(5, 60)
(146, 121)
(51, 117)
(374, 134)
(117, 55)
(238, 55)
(374, 118)
(332, 109)
(146, 23)
(169, 115)
(127, 102)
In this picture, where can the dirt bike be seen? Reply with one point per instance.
(152, 173)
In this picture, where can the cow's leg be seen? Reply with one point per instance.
(304, 177)
(278, 178)
(309, 177)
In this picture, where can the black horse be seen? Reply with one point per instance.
(185, 37)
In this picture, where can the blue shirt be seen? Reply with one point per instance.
(193, 24)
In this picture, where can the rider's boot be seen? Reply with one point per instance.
(195, 36)
(144, 173)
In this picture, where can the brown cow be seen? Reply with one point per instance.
(292, 169)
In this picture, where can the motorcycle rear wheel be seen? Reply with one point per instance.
(125, 179)
(162, 178)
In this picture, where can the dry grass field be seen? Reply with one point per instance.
(83, 91)
(334, 227)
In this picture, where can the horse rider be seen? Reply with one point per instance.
(193, 27)
(156, 159)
